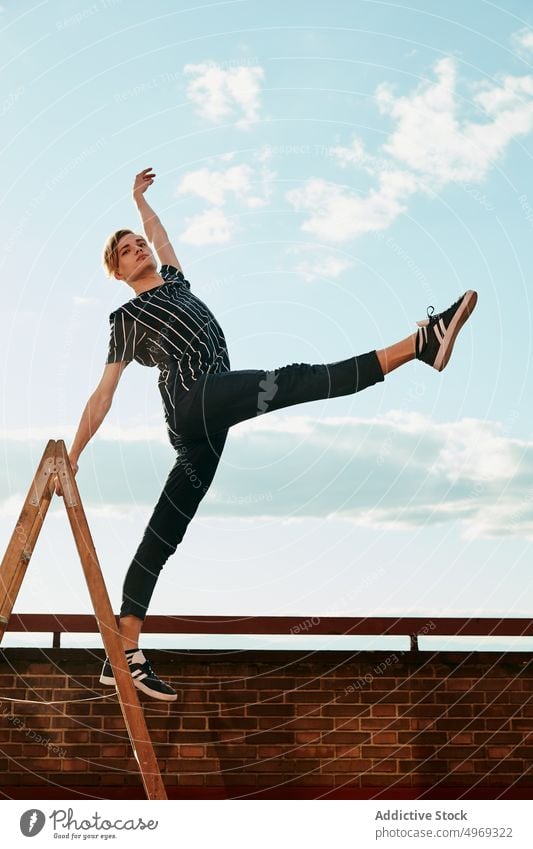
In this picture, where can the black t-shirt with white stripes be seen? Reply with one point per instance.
(169, 327)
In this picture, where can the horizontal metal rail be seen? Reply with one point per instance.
(412, 627)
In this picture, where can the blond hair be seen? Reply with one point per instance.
(110, 258)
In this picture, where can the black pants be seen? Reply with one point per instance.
(198, 426)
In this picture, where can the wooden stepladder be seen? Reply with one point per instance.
(55, 462)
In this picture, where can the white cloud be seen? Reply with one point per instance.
(399, 471)
(523, 41)
(220, 93)
(12, 505)
(264, 154)
(430, 146)
(237, 181)
(476, 447)
(357, 155)
(241, 183)
(208, 228)
(430, 138)
(314, 263)
(338, 215)
(213, 186)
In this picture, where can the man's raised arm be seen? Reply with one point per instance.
(154, 230)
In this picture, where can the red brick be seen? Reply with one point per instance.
(463, 738)
(197, 738)
(240, 696)
(115, 751)
(499, 752)
(199, 722)
(307, 737)
(385, 737)
(508, 766)
(461, 710)
(231, 723)
(270, 710)
(316, 723)
(203, 765)
(434, 738)
(13, 750)
(42, 765)
(303, 696)
(269, 698)
(388, 766)
(76, 736)
(397, 697)
(290, 766)
(458, 752)
(454, 725)
(351, 737)
(384, 710)
(190, 751)
(383, 752)
(73, 765)
(319, 751)
(461, 766)
(256, 737)
(459, 684)
(353, 765)
(264, 682)
(39, 669)
(498, 685)
(336, 710)
(501, 736)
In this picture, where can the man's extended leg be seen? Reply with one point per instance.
(221, 400)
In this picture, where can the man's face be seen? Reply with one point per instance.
(135, 257)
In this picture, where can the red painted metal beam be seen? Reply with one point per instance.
(286, 625)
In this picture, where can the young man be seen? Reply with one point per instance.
(166, 325)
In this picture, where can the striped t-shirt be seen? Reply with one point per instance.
(169, 327)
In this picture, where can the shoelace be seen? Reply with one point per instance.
(433, 316)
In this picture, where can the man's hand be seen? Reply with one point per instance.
(57, 484)
(142, 181)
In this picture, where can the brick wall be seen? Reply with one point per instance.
(283, 724)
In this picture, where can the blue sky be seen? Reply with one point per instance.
(325, 174)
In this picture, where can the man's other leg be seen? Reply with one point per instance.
(186, 485)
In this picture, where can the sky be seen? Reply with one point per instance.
(326, 172)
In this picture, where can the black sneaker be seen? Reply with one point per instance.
(144, 679)
(437, 333)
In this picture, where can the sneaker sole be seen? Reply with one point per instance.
(162, 697)
(463, 313)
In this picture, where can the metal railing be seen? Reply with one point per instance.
(412, 627)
